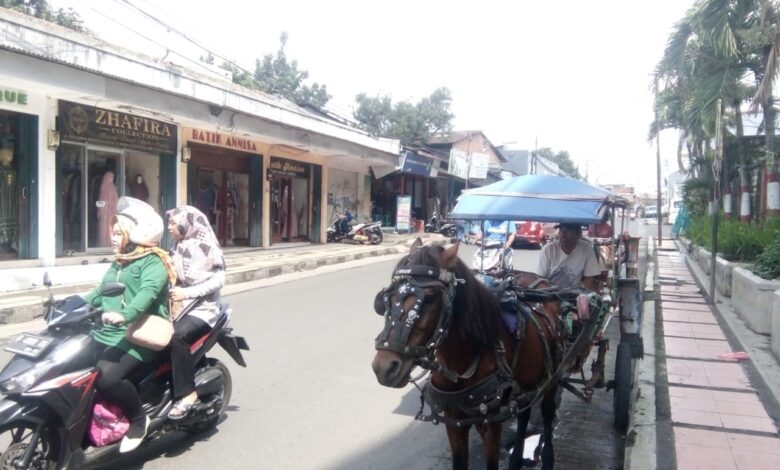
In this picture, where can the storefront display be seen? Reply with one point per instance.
(17, 158)
(290, 190)
(93, 174)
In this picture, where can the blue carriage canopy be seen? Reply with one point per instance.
(540, 198)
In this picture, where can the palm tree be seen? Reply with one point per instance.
(706, 58)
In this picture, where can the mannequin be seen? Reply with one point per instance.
(106, 208)
(232, 209)
(138, 188)
(8, 203)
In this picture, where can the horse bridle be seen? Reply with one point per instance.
(413, 280)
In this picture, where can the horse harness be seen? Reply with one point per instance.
(496, 397)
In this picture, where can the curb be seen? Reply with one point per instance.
(235, 282)
(641, 439)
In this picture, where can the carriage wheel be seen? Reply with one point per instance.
(622, 392)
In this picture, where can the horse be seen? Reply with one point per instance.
(440, 317)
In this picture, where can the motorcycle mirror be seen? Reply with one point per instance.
(46, 279)
(112, 289)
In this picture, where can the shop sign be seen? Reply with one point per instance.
(283, 167)
(87, 123)
(416, 164)
(11, 96)
(403, 213)
(219, 139)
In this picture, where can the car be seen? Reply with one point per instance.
(651, 212)
(532, 233)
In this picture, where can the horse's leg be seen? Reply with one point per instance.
(548, 415)
(516, 459)
(491, 441)
(459, 445)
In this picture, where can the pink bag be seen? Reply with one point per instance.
(108, 424)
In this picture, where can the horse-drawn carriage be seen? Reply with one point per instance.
(496, 348)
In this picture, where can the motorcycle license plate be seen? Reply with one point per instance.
(29, 345)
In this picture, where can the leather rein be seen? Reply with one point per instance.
(496, 397)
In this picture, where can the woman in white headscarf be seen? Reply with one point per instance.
(146, 271)
(200, 269)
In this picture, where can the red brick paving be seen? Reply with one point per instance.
(717, 417)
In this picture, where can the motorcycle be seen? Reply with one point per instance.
(343, 229)
(49, 388)
(492, 256)
(438, 225)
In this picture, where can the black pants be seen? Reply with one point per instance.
(185, 332)
(115, 366)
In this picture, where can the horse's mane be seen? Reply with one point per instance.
(476, 311)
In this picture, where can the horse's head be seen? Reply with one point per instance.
(418, 310)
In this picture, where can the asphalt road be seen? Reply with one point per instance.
(309, 399)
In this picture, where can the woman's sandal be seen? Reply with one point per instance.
(180, 410)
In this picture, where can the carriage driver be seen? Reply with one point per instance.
(569, 261)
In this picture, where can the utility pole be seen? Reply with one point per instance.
(659, 213)
(716, 197)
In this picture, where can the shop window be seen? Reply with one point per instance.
(10, 185)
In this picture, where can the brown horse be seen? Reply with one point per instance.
(440, 317)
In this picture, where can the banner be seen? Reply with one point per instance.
(479, 164)
(416, 164)
(459, 164)
(403, 213)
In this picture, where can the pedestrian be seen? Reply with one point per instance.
(502, 231)
(200, 270)
(145, 270)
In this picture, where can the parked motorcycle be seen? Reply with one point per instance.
(438, 225)
(346, 229)
(49, 388)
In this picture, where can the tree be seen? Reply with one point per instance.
(413, 123)
(562, 159)
(277, 75)
(41, 9)
(707, 56)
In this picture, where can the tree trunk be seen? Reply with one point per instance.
(744, 213)
(773, 179)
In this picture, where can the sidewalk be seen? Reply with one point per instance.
(244, 265)
(713, 410)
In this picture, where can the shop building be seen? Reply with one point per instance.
(83, 128)
(103, 155)
(20, 112)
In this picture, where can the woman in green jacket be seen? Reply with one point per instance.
(145, 270)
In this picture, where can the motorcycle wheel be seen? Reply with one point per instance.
(14, 439)
(376, 237)
(224, 394)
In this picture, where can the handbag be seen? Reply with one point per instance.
(151, 332)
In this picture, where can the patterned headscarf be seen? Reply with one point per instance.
(197, 256)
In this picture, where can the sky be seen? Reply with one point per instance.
(566, 74)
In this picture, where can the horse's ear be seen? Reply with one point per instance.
(450, 256)
(417, 244)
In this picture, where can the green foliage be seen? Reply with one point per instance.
(768, 262)
(737, 241)
(562, 159)
(277, 75)
(413, 123)
(41, 9)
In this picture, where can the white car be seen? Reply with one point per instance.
(651, 212)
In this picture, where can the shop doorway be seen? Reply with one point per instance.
(290, 203)
(223, 196)
(18, 186)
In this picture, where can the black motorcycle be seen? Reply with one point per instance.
(437, 224)
(49, 388)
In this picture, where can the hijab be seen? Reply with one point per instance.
(197, 255)
(130, 251)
